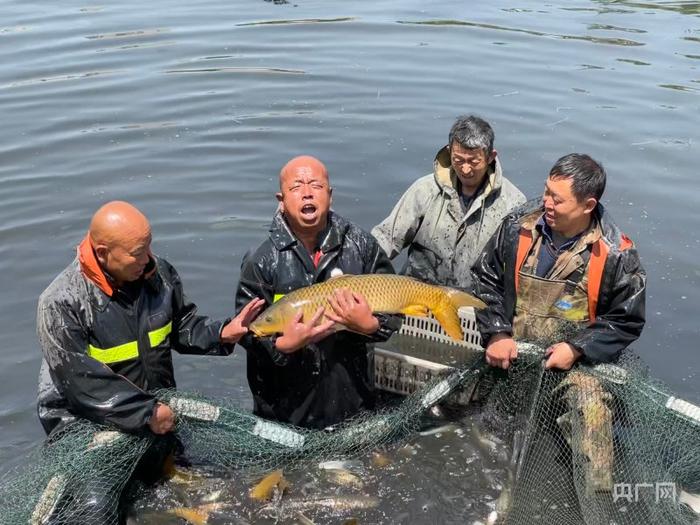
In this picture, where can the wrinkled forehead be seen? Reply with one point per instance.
(303, 175)
(304, 171)
(457, 150)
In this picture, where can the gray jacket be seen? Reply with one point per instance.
(443, 240)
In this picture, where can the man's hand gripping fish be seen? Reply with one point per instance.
(385, 293)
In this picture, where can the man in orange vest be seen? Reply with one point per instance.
(559, 270)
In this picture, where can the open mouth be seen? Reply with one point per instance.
(308, 210)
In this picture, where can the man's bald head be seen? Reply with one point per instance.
(121, 237)
(115, 220)
(303, 166)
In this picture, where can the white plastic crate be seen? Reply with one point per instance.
(428, 328)
(404, 374)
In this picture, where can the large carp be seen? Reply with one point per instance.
(385, 293)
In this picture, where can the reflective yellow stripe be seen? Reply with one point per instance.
(156, 337)
(115, 354)
(130, 350)
(277, 297)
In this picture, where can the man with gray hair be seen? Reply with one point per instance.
(446, 217)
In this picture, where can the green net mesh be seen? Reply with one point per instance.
(598, 445)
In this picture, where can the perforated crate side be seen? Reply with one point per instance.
(403, 374)
(428, 328)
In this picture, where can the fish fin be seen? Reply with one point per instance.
(460, 299)
(446, 315)
(417, 310)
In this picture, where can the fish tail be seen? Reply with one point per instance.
(462, 299)
(446, 315)
(447, 312)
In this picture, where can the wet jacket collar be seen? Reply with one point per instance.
(91, 268)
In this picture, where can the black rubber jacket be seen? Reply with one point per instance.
(324, 383)
(74, 313)
(620, 314)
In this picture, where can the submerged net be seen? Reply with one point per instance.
(602, 444)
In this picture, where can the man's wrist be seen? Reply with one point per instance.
(374, 326)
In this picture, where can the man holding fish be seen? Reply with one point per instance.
(309, 363)
(309, 374)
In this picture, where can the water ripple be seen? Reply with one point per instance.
(678, 87)
(58, 78)
(298, 21)
(274, 70)
(684, 8)
(128, 34)
(587, 38)
(127, 47)
(633, 62)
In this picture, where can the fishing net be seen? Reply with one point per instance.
(601, 444)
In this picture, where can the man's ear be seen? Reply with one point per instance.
(493, 156)
(280, 202)
(590, 204)
(330, 196)
(101, 252)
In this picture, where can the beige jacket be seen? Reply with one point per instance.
(442, 239)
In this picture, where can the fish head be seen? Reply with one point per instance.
(272, 320)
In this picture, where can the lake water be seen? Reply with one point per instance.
(190, 109)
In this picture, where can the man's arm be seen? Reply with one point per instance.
(91, 389)
(398, 230)
(622, 319)
(254, 282)
(491, 285)
(193, 333)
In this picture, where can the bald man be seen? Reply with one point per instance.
(108, 322)
(309, 375)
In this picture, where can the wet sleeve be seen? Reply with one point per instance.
(622, 320)
(398, 230)
(256, 282)
(194, 334)
(91, 389)
(488, 282)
